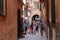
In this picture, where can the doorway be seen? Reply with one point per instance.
(53, 11)
(19, 25)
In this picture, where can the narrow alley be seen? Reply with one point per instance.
(29, 19)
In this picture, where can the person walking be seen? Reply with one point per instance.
(31, 28)
(34, 27)
(28, 25)
(24, 26)
(41, 27)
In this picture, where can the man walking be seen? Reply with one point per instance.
(41, 27)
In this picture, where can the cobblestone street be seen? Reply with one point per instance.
(36, 36)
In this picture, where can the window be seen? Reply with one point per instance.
(3, 7)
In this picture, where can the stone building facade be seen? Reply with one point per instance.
(8, 22)
(53, 17)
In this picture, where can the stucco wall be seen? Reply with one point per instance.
(35, 12)
(8, 24)
(57, 2)
(57, 5)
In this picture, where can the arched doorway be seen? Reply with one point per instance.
(36, 20)
(35, 17)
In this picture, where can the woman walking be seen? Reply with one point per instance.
(34, 27)
(31, 28)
